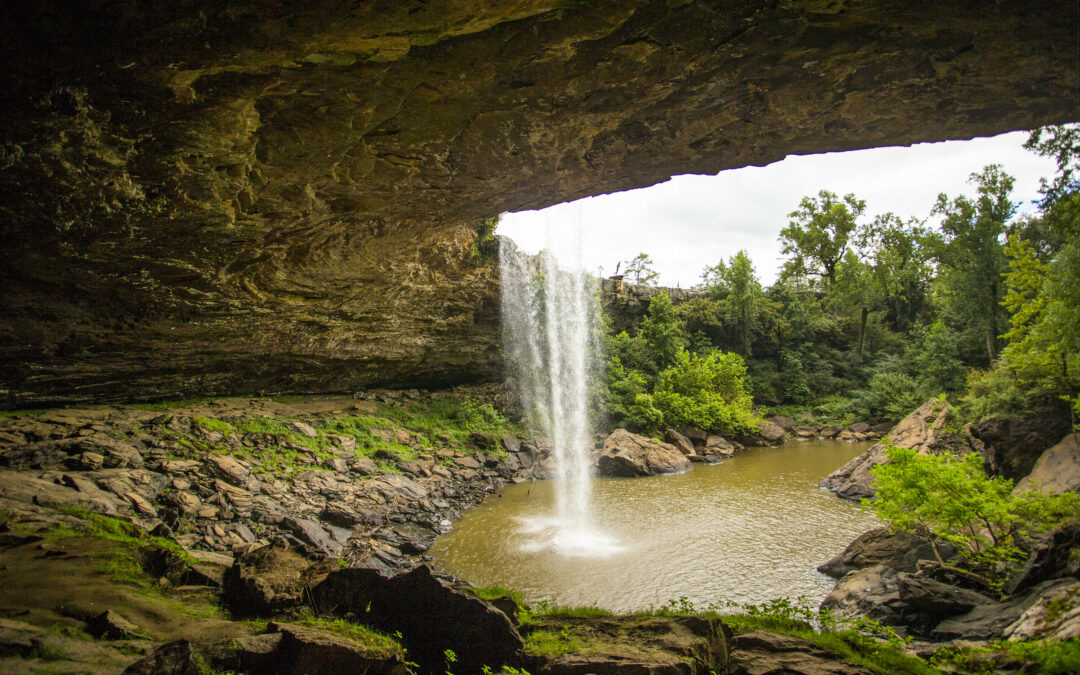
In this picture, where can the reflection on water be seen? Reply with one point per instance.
(748, 530)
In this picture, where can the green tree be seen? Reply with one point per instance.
(707, 392)
(662, 331)
(937, 362)
(640, 269)
(818, 236)
(735, 285)
(944, 497)
(971, 256)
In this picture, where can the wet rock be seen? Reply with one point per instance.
(764, 653)
(628, 454)
(684, 444)
(901, 551)
(271, 579)
(1057, 469)
(511, 443)
(429, 612)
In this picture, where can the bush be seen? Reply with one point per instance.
(706, 392)
(951, 498)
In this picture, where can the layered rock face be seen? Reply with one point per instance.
(201, 198)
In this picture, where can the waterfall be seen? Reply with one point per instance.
(550, 341)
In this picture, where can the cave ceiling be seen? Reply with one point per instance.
(238, 197)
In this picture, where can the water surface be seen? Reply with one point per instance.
(748, 530)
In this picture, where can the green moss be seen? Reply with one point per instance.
(550, 643)
(370, 639)
(212, 424)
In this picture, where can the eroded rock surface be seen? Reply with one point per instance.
(207, 198)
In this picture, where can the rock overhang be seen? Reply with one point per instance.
(207, 198)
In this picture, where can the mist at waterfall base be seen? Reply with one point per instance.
(551, 344)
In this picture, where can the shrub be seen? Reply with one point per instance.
(707, 392)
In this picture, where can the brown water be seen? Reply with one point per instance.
(748, 530)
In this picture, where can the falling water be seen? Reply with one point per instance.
(549, 338)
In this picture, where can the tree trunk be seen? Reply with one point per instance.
(862, 330)
(991, 331)
(990, 345)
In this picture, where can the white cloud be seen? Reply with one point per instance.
(692, 221)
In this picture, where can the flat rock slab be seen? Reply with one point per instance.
(764, 653)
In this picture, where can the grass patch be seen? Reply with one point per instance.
(370, 639)
(456, 418)
(1040, 656)
(549, 643)
(213, 424)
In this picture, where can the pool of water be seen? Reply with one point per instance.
(748, 530)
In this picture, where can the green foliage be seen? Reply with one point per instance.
(706, 392)
(211, 424)
(740, 297)
(938, 363)
(818, 236)
(951, 498)
(662, 332)
(483, 245)
(550, 643)
(640, 270)
(1050, 657)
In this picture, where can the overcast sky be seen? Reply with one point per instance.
(692, 221)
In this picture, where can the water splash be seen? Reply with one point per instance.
(550, 334)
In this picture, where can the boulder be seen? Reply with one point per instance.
(288, 649)
(990, 621)
(763, 653)
(784, 423)
(696, 436)
(310, 532)
(720, 446)
(1051, 557)
(901, 551)
(627, 454)
(859, 428)
(171, 658)
(1057, 469)
(272, 578)
(921, 430)
(1011, 447)
(766, 433)
(431, 615)
(627, 644)
(228, 469)
(873, 592)
(1054, 616)
(684, 444)
(929, 601)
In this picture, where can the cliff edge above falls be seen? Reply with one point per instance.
(205, 198)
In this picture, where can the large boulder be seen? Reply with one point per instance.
(990, 621)
(762, 652)
(901, 551)
(1054, 616)
(288, 649)
(1012, 446)
(1053, 556)
(429, 612)
(272, 578)
(872, 592)
(922, 430)
(629, 455)
(1057, 469)
(765, 433)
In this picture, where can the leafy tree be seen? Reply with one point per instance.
(818, 236)
(708, 392)
(735, 285)
(951, 498)
(971, 255)
(937, 361)
(662, 331)
(641, 269)
(900, 262)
